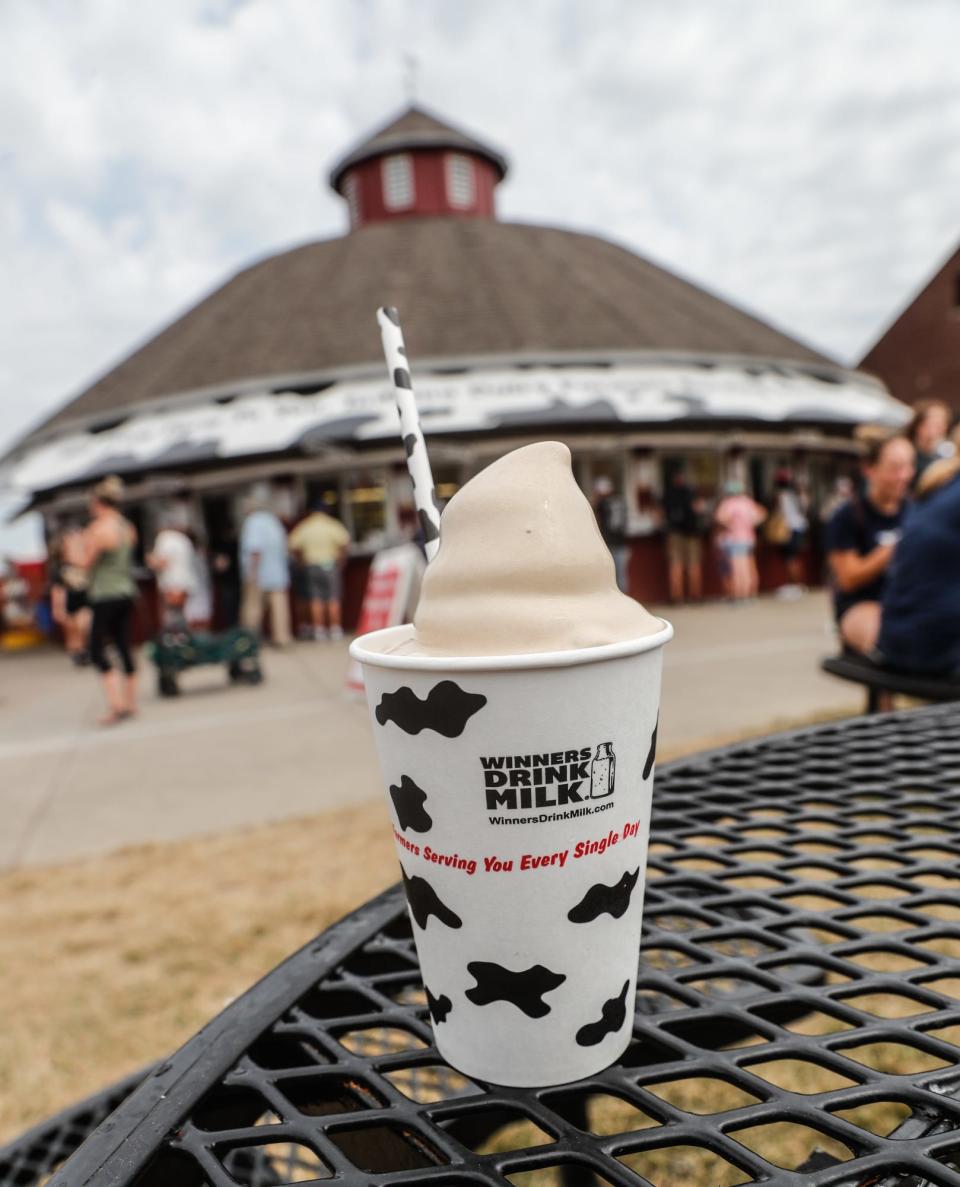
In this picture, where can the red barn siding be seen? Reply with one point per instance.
(918, 357)
(429, 186)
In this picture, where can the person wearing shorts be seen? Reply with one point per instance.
(684, 551)
(739, 516)
(319, 542)
(682, 510)
(323, 584)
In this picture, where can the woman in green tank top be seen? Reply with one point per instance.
(110, 541)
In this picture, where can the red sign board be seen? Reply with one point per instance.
(392, 584)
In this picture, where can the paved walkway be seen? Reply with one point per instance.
(220, 758)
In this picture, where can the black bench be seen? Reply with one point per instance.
(878, 679)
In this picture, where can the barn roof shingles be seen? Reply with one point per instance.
(465, 287)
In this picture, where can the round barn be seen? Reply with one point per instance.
(516, 332)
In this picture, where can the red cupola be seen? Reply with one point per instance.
(418, 167)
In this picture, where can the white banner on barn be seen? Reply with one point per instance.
(351, 412)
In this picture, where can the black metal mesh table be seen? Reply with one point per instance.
(798, 1010)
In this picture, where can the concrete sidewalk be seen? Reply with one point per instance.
(220, 758)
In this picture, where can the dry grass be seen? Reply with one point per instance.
(112, 962)
(117, 961)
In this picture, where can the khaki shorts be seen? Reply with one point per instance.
(684, 550)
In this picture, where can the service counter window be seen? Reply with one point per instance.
(366, 505)
(764, 469)
(135, 512)
(284, 500)
(591, 468)
(644, 516)
(325, 493)
(830, 481)
(702, 471)
(446, 482)
(173, 511)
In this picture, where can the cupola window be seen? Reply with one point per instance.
(460, 180)
(398, 181)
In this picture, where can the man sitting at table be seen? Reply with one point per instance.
(861, 537)
(920, 623)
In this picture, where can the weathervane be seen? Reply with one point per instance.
(410, 77)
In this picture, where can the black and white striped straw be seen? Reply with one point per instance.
(418, 463)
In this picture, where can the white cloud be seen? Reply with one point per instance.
(801, 159)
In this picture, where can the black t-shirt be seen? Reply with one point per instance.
(857, 526)
(612, 518)
(678, 510)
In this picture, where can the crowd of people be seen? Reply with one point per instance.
(93, 587)
(690, 525)
(310, 558)
(893, 549)
(894, 597)
(891, 544)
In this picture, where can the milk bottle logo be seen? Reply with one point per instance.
(603, 771)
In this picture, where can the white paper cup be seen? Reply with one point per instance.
(520, 791)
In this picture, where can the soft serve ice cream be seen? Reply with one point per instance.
(522, 567)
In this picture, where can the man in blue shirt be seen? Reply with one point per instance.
(920, 627)
(265, 571)
(861, 537)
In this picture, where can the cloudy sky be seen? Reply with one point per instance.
(803, 159)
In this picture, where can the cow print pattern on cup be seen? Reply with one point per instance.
(612, 1017)
(524, 989)
(652, 752)
(604, 900)
(408, 802)
(424, 902)
(439, 1007)
(446, 710)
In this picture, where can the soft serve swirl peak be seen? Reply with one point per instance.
(522, 567)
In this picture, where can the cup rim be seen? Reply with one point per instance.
(361, 651)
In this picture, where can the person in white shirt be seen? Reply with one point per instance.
(174, 560)
(199, 608)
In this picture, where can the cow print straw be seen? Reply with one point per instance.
(418, 463)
